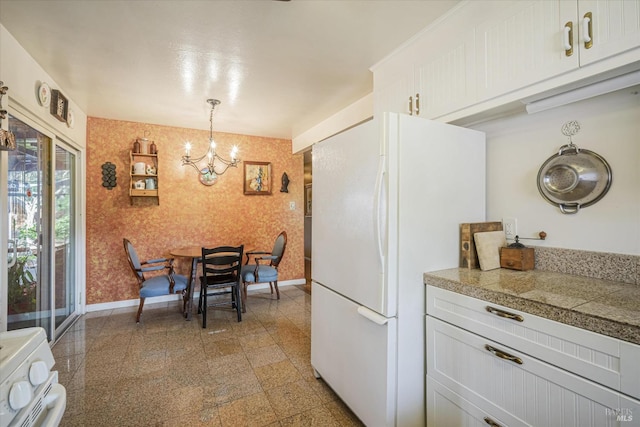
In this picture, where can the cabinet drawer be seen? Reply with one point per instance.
(605, 360)
(496, 378)
(448, 409)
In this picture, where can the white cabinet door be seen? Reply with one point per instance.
(446, 79)
(355, 355)
(393, 95)
(522, 44)
(497, 378)
(615, 28)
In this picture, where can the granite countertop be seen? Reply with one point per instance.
(603, 306)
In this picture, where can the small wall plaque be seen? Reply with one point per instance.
(59, 105)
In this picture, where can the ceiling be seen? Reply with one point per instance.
(278, 67)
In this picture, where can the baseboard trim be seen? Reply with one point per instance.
(167, 298)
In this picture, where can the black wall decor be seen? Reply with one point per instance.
(285, 183)
(108, 175)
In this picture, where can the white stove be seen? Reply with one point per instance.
(30, 395)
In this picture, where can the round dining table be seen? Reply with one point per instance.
(194, 253)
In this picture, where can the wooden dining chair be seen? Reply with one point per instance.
(220, 275)
(265, 268)
(153, 285)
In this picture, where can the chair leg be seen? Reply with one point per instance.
(271, 287)
(275, 283)
(203, 308)
(244, 297)
(200, 301)
(239, 305)
(139, 310)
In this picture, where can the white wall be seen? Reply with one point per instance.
(22, 74)
(355, 113)
(518, 145)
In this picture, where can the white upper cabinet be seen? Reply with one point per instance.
(523, 44)
(431, 75)
(485, 54)
(612, 26)
(445, 79)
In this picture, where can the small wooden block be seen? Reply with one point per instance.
(517, 258)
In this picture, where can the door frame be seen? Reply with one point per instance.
(23, 114)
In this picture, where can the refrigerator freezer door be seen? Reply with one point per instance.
(349, 218)
(355, 354)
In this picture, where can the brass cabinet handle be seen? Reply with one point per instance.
(411, 105)
(491, 422)
(502, 355)
(587, 30)
(505, 314)
(568, 38)
(417, 104)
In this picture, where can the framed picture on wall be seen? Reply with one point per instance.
(257, 177)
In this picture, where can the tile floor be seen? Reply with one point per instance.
(166, 371)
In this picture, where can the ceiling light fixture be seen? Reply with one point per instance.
(212, 169)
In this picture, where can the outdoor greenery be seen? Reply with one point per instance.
(22, 286)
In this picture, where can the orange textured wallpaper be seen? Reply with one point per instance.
(189, 212)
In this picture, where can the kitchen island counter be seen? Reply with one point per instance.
(602, 306)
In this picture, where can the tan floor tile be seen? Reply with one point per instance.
(182, 401)
(265, 355)
(260, 339)
(253, 410)
(222, 348)
(342, 414)
(205, 418)
(231, 387)
(324, 392)
(230, 364)
(277, 374)
(293, 398)
(88, 399)
(320, 417)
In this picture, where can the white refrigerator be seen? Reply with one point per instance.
(388, 199)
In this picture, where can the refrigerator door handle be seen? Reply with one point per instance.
(372, 315)
(378, 205)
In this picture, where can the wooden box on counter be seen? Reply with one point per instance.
(517, 258)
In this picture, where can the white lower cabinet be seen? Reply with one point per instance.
(448, 409)
(492, 379)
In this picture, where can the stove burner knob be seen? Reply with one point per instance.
(38, 373)
(20, 395)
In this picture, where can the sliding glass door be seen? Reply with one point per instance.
(41, 285)
(64, 235)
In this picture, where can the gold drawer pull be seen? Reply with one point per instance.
(502, 355)
(491, 422)
(504, 314)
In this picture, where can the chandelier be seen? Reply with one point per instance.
(215, 165)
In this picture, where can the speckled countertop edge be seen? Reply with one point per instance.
(605, 307)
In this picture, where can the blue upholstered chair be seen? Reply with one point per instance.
(265, 268)
(153, 285)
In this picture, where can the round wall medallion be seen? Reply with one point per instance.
(71, 118)
(44, 94)
(207, 178)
